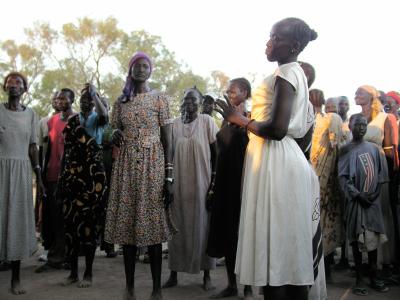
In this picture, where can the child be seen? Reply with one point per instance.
(361, 176)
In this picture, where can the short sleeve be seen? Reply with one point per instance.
(164, 114)
(288, 72)
(116, 115)
(33, 139)
(212, 129)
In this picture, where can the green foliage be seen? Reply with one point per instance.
(96, 51)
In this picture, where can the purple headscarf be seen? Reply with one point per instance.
(126, 92)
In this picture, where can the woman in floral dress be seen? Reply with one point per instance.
(136, 216)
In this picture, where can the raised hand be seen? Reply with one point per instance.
(226, 109)
(92, 89)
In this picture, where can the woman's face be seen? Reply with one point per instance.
(391, 106)
(191, 102)
(15, 86)
(279, 45)
(362, 97)
(141, 70)
(331, 107)
(235, 95)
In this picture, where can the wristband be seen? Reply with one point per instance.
(169, 179)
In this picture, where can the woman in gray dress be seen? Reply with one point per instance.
(18, 154)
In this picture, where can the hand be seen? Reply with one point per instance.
(117, 137)
(227, 110)
(40, 189)
(91, 89)
(363, 200)
(209, 200)
(168, 194)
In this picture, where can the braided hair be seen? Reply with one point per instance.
(243, 84)
(300, 31)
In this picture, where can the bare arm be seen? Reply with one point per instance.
(34, 158)
(166, 140)
(388, 144)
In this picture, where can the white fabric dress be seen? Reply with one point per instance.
(276, 232)
(192, 175)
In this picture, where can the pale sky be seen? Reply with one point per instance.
(358, 43)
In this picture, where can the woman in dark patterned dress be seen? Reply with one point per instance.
(225, 214)
(81, 185)
(142, 171)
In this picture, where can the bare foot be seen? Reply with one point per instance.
(16, 288)
(86, 282)
(69, 280)
(171, 282)
(129, 295)
(207, 286)
(156, 296)
(226, 293)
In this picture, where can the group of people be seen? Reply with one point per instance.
(357, 163)
(262, 191)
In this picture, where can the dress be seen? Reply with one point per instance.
(225, 215)
(82, 185)
(135, 213)
(276, 232)
(324, 157)
(17, 222)
(192, 175)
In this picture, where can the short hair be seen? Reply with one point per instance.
(70, 94)
(243, 84)
(308, 67)
(196, 90)
(352, 117)
(300, 31)
(16, 74)
(318, 93)
(343, 98)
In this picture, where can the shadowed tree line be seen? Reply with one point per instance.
(96, 51)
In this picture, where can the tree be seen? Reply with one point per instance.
(94, 51)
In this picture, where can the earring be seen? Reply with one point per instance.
(292, 51)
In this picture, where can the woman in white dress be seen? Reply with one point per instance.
(275, 248)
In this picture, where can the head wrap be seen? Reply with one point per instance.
(395, 96)
(376, 105)
(126, 92)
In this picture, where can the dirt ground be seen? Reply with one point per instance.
(108, 283)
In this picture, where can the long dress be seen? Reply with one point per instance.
(82, 185)
(324, 157)
(135, 212)
(375, 134)
(225, 215)
(192, 175)
(17, 221)
(276, 232)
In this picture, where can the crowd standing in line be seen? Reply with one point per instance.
(276, 191)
